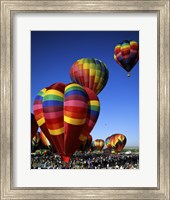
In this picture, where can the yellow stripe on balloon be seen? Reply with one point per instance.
(92, 72)
(74, 121)
(86, 66)
(44, 90)
(41, 121)
(96, 80)
(80, 61)
(94, 103)
(54, 92)
(57, 131)
(72, 85)
(82, 137)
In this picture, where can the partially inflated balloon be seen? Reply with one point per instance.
(107, 142)
(63, 113)
(34, 126)
(44, 139)
(36, 140)
(86, 144)
(98, 144)
(117, 142)
(91, 73)
(126, 54)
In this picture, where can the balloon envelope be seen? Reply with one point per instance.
(98, 144)
(34, 126)
(63, 113)
(107, 142)
(44, 139)
(91, 73)
(117, 142)
(126, 54)
(85, 145)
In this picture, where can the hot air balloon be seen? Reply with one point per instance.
(107, 142)
(35, 142)
(98, 144)
(85, 146)
(44, 140)
(117, 142)
(126, 54)
(36, 139)
(65, 114)
(91, 73)
(34, 126)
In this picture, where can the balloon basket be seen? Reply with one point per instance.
(128, 75)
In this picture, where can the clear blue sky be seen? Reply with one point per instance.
(54, 52)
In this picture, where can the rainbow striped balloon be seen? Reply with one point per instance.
(92, 115)
(91, 73)
(48, 112)
(66, 114)
(126, 54)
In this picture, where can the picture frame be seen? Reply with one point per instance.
(8, 10)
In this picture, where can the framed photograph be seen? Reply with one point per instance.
(85, 100)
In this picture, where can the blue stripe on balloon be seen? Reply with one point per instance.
(75, 92)
(38, 97)
(52, 103)
(93, 112)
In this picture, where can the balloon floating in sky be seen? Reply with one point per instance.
(116, 142)
(91, 73)
(126, 54)
(66, 114)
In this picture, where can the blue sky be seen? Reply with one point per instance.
(54, 52)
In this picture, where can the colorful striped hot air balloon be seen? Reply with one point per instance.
(66, 114)
(117, 142)
(126, 54)
(91, 73)
(98, 144)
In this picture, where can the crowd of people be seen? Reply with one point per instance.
(85, 160)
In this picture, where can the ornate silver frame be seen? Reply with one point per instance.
(161, 8)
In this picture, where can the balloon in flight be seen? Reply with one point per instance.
(126, 54)
(91, 73)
